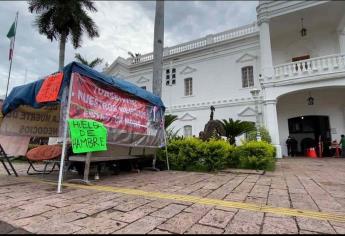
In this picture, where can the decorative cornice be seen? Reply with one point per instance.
(270, 9)
(263, 19)
(217, 104)
(305, 79)
(271, 101)
(205, 56)
(248, 111)
(202, 43)
(187, 70)
(246, 57)
(187, 117)
(142, 80)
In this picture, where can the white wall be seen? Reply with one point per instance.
(198, 118)
(328, 102)
(217, 81)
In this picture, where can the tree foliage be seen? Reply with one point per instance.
(59, 20)
(169, 119)
(265, 135)
(234, 128)
(91, 64)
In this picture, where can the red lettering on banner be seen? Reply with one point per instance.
(112, 107)
(50, 88)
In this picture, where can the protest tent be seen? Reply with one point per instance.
(132, 116)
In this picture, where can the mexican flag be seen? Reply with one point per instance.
(11, 35)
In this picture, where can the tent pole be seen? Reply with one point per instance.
(166, 143)
(62, 161)
(166, 149)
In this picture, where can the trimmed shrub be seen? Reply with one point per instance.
(216, 154)
(255, 155)
(193, 154)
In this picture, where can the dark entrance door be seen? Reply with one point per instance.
(308, 129)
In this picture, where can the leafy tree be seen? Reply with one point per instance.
(234, 128)
(61, 19)
(91, 64)
(170, 132)
(265, 135)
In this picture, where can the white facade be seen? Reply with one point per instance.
(215, 65)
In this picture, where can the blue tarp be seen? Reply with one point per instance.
(26, 94)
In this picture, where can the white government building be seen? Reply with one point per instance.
(294, 56)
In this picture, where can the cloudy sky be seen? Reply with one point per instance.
(123, 26)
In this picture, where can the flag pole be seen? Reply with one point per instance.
(14, 40)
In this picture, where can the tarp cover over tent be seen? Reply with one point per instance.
(26, 94)
(132, 115)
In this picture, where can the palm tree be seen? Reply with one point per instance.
(236, 128)
(169, 119)
(170, 133)
(91, 64)
(60, 19)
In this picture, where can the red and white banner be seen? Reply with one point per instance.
(114, 108)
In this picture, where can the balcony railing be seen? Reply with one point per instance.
(314, 66)
(200, 43)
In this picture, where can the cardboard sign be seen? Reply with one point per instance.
(87, 135)
(28, 121)
(50, 88)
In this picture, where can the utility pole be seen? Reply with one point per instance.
(158, 44)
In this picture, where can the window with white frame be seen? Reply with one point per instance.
(247, 77)
(187, 130)
(170, 76)
(188, 87)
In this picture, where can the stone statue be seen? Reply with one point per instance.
(213, 128)
(212, 112)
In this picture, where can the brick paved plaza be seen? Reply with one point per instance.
(317, 185)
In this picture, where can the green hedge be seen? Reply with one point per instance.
(193, 154)
(255, 155)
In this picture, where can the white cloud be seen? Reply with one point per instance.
(123, 26)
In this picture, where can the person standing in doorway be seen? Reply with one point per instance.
(288, 145)
(342, 143)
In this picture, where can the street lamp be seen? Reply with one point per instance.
(255, 93)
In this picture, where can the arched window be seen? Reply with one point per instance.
(247, 77)
(187, 130)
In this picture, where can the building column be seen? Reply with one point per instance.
(272, 124)
(265, 49)
(341, 36)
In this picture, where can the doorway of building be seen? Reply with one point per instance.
(307, 130)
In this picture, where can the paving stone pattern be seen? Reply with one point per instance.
(300, 183)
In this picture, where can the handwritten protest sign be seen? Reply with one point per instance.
(87, 135)
(50, 88)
